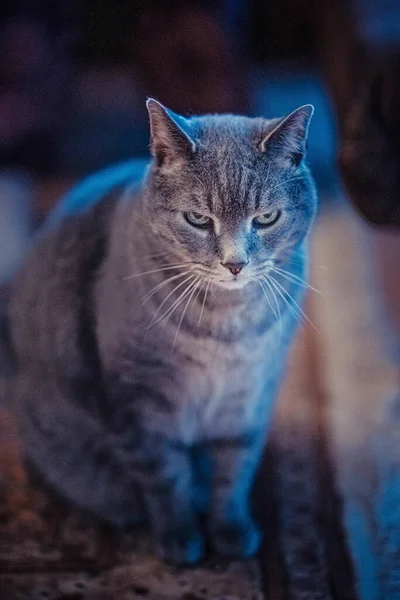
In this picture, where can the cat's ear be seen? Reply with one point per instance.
(289, 137)
(168, 139)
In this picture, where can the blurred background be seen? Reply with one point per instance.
(74, 76)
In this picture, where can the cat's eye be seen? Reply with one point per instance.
(267, 219)
(197, 220)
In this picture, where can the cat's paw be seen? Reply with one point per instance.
(235, 539)
(183, 546)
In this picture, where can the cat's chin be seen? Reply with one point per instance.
(232, 284)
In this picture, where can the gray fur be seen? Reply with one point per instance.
(133, 416)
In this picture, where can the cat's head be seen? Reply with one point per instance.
(232, 195)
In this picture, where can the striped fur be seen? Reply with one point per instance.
(136, 402)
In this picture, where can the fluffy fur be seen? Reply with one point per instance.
(147, 369)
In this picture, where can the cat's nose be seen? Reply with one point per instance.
(234, 268)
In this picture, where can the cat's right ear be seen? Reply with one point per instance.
(169, 141)
(289, 137)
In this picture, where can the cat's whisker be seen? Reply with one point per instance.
(292, 262)
(286, 301)
(204, 302)
(159, 270)
(278, 308)
(263, 268)
(158, 287)
(199, 291)
(179, 300)
(196, 286)
(191, 277)
(171, 309)
(273, 310)
(295, 279)
(288, 273)
(289, 300)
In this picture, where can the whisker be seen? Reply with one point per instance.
(203, 304)
(175, 304)
(268, 299)
(281, 290)
(287, 303)
(199, 290)
(197, 285)
(296, 280)
(159, 270)
(179, 300)
(293, 263)
(158, 287)
(278, 308)
(191, 277)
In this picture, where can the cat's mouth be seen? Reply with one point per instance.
(235, 283)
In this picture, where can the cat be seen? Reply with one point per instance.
(151, 322)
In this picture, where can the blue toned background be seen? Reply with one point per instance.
(74, 78)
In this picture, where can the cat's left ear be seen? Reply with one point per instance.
(289, 137)
(169, 141)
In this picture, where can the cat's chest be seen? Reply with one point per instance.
(223, 390)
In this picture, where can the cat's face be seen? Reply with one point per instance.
(231, 195)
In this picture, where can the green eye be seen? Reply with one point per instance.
(197, 220)
(267, 219)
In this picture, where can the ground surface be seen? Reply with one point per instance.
(329, 488)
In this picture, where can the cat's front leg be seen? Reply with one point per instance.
(231, 528)
(163, 471)
(168, 497)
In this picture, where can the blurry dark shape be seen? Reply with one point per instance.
(184, 55)
(282, 31)
(360, 46)
(105, 30)
(34, 82)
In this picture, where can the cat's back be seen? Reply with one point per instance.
(51, 292)
(92, 190)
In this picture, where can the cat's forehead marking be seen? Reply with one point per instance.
(229, 162)
(236, 190)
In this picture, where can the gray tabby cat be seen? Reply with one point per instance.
(151, 324)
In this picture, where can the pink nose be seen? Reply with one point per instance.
(234, 268)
